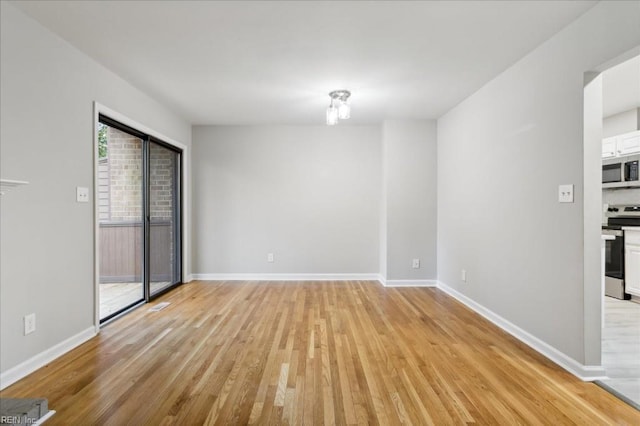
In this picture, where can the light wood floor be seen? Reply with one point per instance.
(621, 347)
(116, 296)
(312, 353)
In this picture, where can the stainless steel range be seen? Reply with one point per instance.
(618, 216)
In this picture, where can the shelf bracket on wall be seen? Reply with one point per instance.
(7, 185)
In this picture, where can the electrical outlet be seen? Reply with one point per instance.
(565, 193)
(416, 264)
(29, 324)
(464, 276)
(82, 194)
(270, 257)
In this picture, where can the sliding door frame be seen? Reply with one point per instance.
(149, 136)
(177, 212)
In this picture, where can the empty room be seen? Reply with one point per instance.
(319, 212)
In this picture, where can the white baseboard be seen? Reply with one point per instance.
(409, 283)
(286, 277)
(315, 277)
(44, 418)
(584, 372)
(43, 358)
(188, 278)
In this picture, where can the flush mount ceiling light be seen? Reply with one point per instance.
(338, 108)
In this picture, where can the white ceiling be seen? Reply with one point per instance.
(621, 87)
(275, 61)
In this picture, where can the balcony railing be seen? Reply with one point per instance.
(121, 251)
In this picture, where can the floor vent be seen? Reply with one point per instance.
(159, 307)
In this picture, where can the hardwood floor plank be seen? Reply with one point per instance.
(345, 353)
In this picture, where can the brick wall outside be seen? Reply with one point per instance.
(120, 180)
(104, 213)
(161, 180)
(124, 157)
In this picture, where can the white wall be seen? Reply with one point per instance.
(410, 195)
(624, 122)
(47, 92)
(308, 194)
(501, 155)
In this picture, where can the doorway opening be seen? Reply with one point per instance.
(139, 232)
(613, 102)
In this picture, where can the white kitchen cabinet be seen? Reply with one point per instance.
(629, 143)
(632, 262)
(615, 146)
(609, 147)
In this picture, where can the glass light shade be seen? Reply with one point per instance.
(344, 111)
(332, 115)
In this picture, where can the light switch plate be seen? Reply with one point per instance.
(565, 193)
(82, 194)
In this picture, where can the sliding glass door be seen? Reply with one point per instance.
(139, 216)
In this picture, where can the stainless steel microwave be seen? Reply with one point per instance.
(621, 172)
